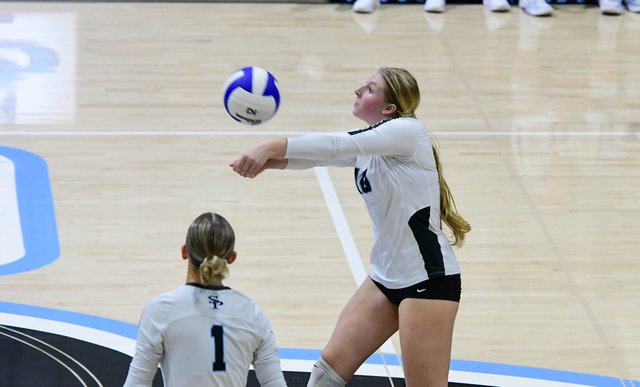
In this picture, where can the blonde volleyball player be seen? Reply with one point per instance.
(414, 285)
(204, 333)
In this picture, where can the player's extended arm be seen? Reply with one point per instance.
(395, 138)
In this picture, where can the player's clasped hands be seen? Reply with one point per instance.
(251, 163)
(246, 166)
(265, 155)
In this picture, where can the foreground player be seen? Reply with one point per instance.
(414, 284)
(204, 333)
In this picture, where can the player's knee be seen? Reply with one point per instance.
(322, 375)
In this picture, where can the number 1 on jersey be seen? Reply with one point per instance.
(217, 334)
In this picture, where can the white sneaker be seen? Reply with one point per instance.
(436, 6)
(536, 7)
(365, 6)
(633, 5)
(611, 7)
(497, 5)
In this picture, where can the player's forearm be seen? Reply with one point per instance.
(274, 149)
(276, 164)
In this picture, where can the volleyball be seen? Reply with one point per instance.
(251, 95)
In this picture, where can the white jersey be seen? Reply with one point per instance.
(395, 172)
(204, 336)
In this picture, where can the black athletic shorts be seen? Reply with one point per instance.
(446, 288)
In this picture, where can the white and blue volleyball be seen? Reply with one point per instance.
(251, 95)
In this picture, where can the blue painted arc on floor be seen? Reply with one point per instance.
(28, 232)
(102, 331)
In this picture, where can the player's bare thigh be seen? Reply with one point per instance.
(426, 331)
(365, 323)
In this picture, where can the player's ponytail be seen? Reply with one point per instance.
(210, 243)
(448, 211)
(401, 89)
(213, 270)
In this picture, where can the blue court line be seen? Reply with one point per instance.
(130, 331)
(37, 214)
(539, 373)
(104, 324)
(314, 354)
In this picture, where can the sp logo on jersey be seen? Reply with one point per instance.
(213, 300)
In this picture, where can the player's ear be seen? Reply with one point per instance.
(185, 252)
(390, 109)
(232, 257)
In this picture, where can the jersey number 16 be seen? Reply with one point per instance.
(362, 183)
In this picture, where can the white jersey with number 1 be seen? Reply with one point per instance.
(204, 336)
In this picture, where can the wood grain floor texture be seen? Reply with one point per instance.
(537, 119)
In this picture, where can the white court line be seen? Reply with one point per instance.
(344, 233)
(54, 348)
(505, 380)
(126, 345)
(342, 227)
(90, 335)
(48, 354)
(192, 133)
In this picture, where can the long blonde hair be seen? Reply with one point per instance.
(210, 243)
(401, 89)
(448, 211)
